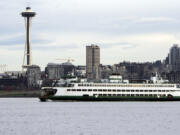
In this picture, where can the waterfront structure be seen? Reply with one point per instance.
(106, 71)
(28, 14)
(80, 71)
(115, 78)
(111, 92)
(174, 58)
(93, 63)
(69, 69)
(54, 71)
(33, 76)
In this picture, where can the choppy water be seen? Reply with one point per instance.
(28, 116)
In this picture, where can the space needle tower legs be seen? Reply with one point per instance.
(28, 14)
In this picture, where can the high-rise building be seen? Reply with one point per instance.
(174, 58)
(93, 62)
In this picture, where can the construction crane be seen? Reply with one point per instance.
(68, 60)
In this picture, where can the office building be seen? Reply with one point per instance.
(174, 58)
(93, 63)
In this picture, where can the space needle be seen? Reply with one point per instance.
(28, 15)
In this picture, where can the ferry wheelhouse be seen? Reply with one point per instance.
(111, 92)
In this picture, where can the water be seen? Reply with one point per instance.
(28, 116)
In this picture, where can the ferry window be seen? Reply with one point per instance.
(141, 90)
(109, 90)
(84, 90)
(105, 90)
(73, 89)
(123, 90)
(119, 90)
(141, 94)
(94, 90)
(128, 94)
(154, 90)
(68, 90)
(137, 94)
(89, 90)
(159, 90)
(99, 90)
(114, 94)
(146, 95)
(132, 90)
(132, 95)
(100, 94)
(123, 94)
(104, 94)
(109, 94)
(114, 90)
(127, 90)
(137, 90)
(78, 90)
(150, 90)
(118, 94)
(150, 95)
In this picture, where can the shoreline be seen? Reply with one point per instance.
(19, 93)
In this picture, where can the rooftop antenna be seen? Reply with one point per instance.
(28, 4)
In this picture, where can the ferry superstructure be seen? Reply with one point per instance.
(112, 92)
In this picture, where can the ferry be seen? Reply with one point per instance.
(111, 92)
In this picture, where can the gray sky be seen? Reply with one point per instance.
(131, 30)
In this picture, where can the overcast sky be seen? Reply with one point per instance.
(130, 30)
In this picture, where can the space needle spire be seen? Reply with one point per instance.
(28, 15)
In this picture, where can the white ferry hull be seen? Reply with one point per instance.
(112, 92)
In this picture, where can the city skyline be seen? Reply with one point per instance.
(133, 31)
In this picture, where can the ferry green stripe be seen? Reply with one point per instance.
(113, 98)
